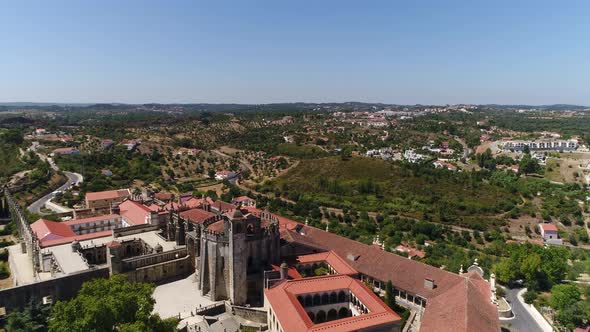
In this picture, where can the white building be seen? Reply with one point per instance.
(550, 234)
(568, 145)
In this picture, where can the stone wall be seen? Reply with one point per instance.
(61, 288)
(136, 229)
(252, 314)
(162, 271)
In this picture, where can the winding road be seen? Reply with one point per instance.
(73, 178)
(523, 321)
(36, 206)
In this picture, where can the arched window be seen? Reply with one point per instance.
(343, 313)
(325, 298)
(250, 229)
(321, 316)
(317, 299)
(332, 314)
(311, 316)
(333, 297)
(308, 300)
(341, 296)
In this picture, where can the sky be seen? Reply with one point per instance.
(401, 52)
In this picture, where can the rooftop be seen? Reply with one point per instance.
(549, 227)
(109, 194)
(293, 317)
(330, 257)
(197, 216)
(407, 275)
(134, 212)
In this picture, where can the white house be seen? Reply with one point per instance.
(550, 234)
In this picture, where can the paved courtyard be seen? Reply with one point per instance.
(180, 296)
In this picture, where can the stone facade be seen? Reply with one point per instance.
(231, 253)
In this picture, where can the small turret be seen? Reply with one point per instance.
(284, 271)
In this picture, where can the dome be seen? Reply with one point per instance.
(158, 248)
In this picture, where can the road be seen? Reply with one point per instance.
(73, 178)
(36, 206)
(523, 321)
(466, 149)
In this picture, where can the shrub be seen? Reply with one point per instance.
(530, 296)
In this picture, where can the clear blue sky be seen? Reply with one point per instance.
(534, 52)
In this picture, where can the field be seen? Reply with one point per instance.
(563, 171)
(416, 191)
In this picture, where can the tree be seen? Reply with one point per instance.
(108, 305)
(530, 296)
(506, 271)
(531, 266)
(575, 315)
(33, 318)
(529, 165)
(563, 296)
(389, 296)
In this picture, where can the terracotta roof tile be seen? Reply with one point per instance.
(292, 315)
(109, 194)
(197, 216)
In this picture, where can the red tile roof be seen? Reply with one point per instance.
(223, 206)
(109, 194)
(62, 150)
(83, 237)
(549, 227)
(292, 315)
(197, 216)
(47, 230)
(242, 199)
(291, 272)
(330, 257)
(163, 196)
(218, 226)
(404, 273)
(465, 307)
(52, 233)
(134, 212)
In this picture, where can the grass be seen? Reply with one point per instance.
(300, 151)
(415, 191)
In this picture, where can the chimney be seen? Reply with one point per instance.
(284, 271)
(429, 284)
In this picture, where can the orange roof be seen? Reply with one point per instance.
(291, 272)
(47, 230)
(52, 233)
(223, 206)
(330, 257)
(163, 196)
(465, 307)
(83, 237)
(109, 194)
(218, 226)
(60, 150)
(242, 199)
(134, 212)
(549, 227)
(292, 316)
(404, 273)
(197, 216)
(194, 202)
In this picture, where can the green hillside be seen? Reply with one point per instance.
(411, 190)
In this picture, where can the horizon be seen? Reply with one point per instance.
(142, 52)
(82, 104)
